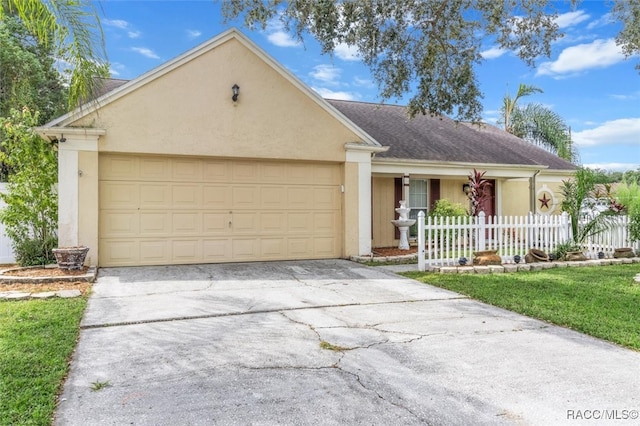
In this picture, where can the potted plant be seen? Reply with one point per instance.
(69, 258)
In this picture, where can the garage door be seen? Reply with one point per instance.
(168, 210)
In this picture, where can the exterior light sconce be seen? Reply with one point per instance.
(236, 92)
(466, 188)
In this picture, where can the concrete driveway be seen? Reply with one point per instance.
(328, 342)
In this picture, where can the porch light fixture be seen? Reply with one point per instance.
(466, 188)
(236, 92)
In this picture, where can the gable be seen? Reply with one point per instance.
(185, 108)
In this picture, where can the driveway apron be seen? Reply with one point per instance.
(328, 342)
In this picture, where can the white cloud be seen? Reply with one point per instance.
(282, 39)
(598, 54)
(621, 131)
(570, 19)
(613, 167)
(492, 53)
(146, 52)
(363, 82)
(626, 97)
(123, 25)
(277, 35)
(117, 23)
(326, 73)
(605, 19)
(193, 34)
(115, 68)
(346, 52)
(330, 94)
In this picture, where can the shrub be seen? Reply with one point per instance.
(628, 194)
(447, 208)
(31, 214)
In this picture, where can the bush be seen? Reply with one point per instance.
(560, 253)
(31, 214)
(30, 252)
(447, 208)
(628, 194)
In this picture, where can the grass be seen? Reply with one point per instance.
(602, 301)
(37, 338)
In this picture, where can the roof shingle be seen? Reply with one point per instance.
(442, 139)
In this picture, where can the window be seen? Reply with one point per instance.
(417, 201)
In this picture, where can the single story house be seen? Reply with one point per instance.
(222, 155)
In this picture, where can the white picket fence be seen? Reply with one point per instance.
(444, 240)
(6, 251)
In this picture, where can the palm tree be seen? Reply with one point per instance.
(509, 105)
(73, 28)
(538, 124)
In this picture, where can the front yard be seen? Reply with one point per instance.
(37, 338)
(603, 302)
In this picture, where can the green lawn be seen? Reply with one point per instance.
(603, 301)
(37, 338)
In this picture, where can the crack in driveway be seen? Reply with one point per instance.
(262, 311)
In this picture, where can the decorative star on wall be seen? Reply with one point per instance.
(544, 201)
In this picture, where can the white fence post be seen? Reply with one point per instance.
(421, 242)
(481, 235)
(6, 248)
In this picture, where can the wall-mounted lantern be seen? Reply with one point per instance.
(236, 92)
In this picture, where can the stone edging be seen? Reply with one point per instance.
(510, 267)
(538, 266)
(21, 295)
(88, 276)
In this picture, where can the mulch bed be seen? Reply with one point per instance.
(40, 272)
(393, 251)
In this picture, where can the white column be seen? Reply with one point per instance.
(67, 197)
(363, 160)
(405, 189)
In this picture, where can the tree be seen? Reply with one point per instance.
(31, 214)
(72, 29)
(27, 74)
(539, 125)
(427, 48)
(577, 195)
(509, 105)
(631, 176)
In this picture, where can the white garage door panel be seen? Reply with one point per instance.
(157, 210)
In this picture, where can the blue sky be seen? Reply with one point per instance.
(586, 80)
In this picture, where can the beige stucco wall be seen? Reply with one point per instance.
(383, 212)
(189, 111)
(451, 189)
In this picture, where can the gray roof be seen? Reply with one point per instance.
(443, 139)
(106, 85)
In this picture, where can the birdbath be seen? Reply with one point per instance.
(403, 223)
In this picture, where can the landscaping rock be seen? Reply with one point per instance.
(17, 295)
(67, 294)
(44, 295)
